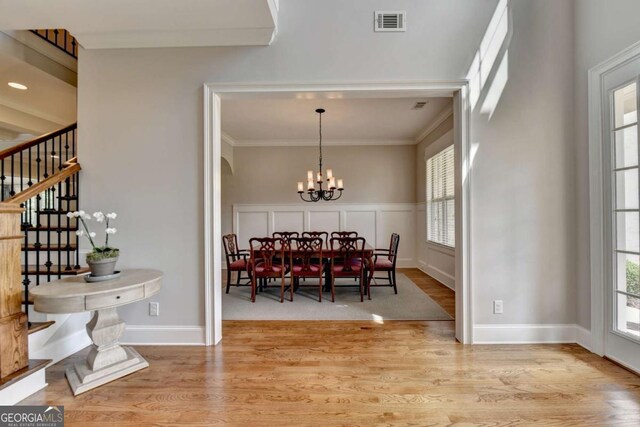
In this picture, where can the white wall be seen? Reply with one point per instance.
(602, 30)
(269, 175)
(435, 260)
(144, 107)
(523, 176)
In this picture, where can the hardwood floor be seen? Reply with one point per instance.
(345, 373)
(438, 292)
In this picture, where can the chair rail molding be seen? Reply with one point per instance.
(597, 191)
(214, 92)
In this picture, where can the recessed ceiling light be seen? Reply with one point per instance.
(17, 86)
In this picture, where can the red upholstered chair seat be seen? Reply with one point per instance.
(238, 265)
(261, 268)
(354, 268)
(383, 264)
(312, 269)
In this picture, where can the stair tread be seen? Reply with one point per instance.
(34, 365)
(52, 247)
(55, 269)
(39, 326)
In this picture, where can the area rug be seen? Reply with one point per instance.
(411, 303)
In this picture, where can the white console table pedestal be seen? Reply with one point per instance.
(107, 360)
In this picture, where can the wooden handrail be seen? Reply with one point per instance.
(71, 168)
(13, 150)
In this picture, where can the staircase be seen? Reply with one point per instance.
(39, 183)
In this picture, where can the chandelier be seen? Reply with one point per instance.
(315, 195)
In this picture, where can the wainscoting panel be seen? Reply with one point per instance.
(374, 222)
(320, 220)
(288, 221)
(401, 221)
(364, 222)
(250, 224)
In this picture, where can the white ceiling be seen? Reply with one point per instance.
(48, 103)
(148, 23)
(347, 121)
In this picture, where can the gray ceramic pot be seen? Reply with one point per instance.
(103, 267)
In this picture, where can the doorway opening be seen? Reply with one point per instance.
(261, 216)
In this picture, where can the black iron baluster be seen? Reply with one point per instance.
(21, 174)
(46, 174)
(60, 161)
(38, 244)
(12, 191)
(59, 231)
(66, 147)
(2, 178)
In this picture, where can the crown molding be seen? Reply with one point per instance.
(444, 115)
(314, 142)
(228, 139)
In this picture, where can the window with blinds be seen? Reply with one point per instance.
(441, 220)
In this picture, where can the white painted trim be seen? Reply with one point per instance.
(596, 77)
(24, 388)
(441, 276)
(444, 115)
(228, 139)
(314, 142)
(583, 337)
(524, 334)
(461, 108)
(462, 147)
(212, 219)
(163, 335)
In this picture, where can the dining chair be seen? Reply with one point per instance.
(306, 261)
(347, 260)
(267, 261)
(321, 234)
(385, 260)
(337, 234)
(236, 260)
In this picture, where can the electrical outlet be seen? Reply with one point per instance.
(154, 309)
(498, 307)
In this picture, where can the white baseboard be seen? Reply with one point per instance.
(524, 334)
(163, 335)
(24, 388)
(583, 337)
(441, 276)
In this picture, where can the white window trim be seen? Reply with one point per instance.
(598, 194)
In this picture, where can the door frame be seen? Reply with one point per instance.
(598, 193)
(213, 92)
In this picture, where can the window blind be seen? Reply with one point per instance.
(441, 222)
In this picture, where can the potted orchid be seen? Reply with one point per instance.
(102, 259)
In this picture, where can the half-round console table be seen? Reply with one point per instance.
(107, 360)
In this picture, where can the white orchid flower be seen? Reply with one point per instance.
(80, 213)
(112, 215)
(92, 234)
(80, 233)
(70, 215)
(111, 231)
(76, 214)
(86, 216)
(99, 216)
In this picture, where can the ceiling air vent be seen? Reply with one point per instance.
(419, 105)
(390, 20)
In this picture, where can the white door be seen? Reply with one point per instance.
(622, 216)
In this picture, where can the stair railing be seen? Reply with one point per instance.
(61, 39)
(42, 176)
